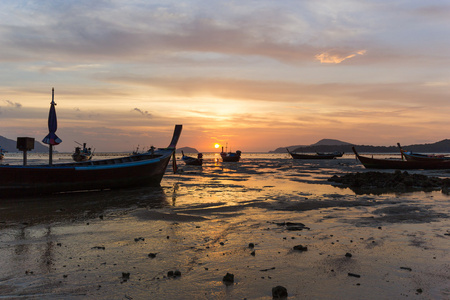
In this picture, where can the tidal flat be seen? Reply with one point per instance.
(247, 219)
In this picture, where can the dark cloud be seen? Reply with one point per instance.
(13, 104)
(144, 113)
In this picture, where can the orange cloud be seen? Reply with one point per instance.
(328, 58)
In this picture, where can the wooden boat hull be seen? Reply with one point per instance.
(315, 156)
(192, 161)
(81, 157)
(41, 180)
(373, 163)
(417, 157)
(146, 169)
(231, 158)
(312, 156)
(335, 154)
(411, 156)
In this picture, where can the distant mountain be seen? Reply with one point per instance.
(324, 146)
(10, 145)
(187, 150)
(441, 146)
(330, 142)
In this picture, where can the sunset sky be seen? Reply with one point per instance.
(257, 75)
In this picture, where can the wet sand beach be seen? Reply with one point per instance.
(248, 219)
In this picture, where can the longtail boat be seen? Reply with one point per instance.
(332, 155)
(145, 169)
(192, 160)
(412, 156)
(230, 156)
(374, 163)
(82, 154)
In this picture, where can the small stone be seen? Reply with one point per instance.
(251, 245)
(253, 253)
(125, 276)
(300, 248)
(177, 273)
(348, 254)
(152, 255)
(279, 292)
(354, 275)
(228, 279)
(170, 274)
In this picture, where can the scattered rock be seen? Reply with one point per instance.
(228, 279)
(279, 292)
(354, 275)
(175, 273)
(125, 276)
(152, 255)
(251, 245)
(293, 226)
(265, 270)
(300, 248)
(253, 253)
(348, 254)
(406, 268)
(139, 239)
(397, 181)
(99, 247)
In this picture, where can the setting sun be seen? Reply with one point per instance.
(216, 146)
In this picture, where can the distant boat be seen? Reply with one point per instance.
(335, 153)
(192, 160)
(230, 156)
(412, 156)
(315, 156)
(82, 154)
(374, 163)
